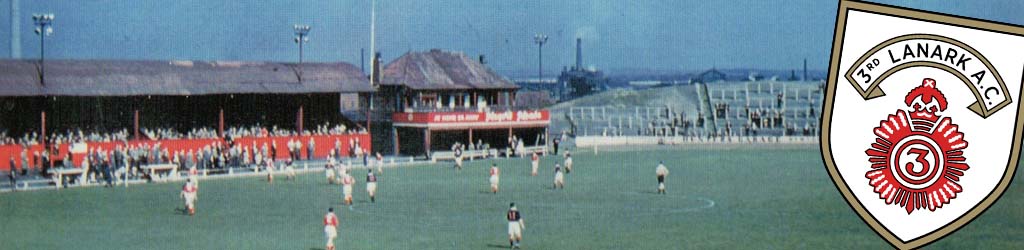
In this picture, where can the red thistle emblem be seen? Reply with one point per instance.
(917, 158)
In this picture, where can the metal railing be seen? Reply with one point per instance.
(489, 108)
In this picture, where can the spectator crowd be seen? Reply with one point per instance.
(126, 158)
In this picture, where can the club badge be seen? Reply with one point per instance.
(921, 129)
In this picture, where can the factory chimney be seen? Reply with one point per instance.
(579, 54)
(805, 69)
(15, 34)
(375, 69)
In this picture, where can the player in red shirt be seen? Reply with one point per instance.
(270, 171)
(494, 178)
(188, 193)
(347, 181)
(534, 163)
(330, 228)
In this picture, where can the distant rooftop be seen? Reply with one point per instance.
(132, 78)
(442, 70)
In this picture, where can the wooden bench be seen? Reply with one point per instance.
(481, 153)
(442, 155)
(60, 173)
(24, 183)
(153, 169)
(542, 149)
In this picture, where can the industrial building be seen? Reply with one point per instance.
(578, 81)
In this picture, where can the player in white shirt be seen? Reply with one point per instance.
(189, 193)
(662, 172)
(520, 148)
(559, 178)
(193, 175)
(380, 163)
(330, 228)
(371, 185)
(494, 177)
(329, 170)
(343, 169)
(259, 157)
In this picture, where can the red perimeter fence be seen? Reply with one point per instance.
(323, 145)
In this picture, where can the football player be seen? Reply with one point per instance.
(516, 225)
(568, 162)
(347, 181)
(330, 228)
(371, 185)
(188, 194)
(661, 171)
(559, 178)
(494, 178)
(534, 163)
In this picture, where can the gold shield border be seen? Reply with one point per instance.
(826, 118)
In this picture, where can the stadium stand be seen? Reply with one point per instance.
(718, 111)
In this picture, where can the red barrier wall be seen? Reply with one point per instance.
(323, 143)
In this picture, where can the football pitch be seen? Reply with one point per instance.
(719, 197)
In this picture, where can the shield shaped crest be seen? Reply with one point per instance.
(921, 124)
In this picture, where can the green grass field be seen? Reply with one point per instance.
(722, 197)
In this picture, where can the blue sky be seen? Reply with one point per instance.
(664, 35)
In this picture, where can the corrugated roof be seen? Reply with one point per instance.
(443, 70)
(128, 78)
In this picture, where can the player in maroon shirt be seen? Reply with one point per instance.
(515, 226)
(371, 185)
